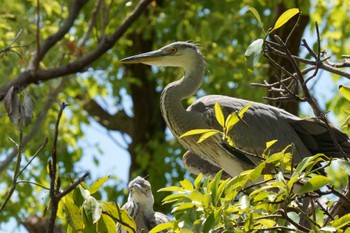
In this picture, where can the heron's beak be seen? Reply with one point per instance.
(150, 58)
(139, 187)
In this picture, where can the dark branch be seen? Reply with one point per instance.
(29, 76)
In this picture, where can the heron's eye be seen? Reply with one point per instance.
(173, 50)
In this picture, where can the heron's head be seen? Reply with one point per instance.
(177, 54)
(140, 191)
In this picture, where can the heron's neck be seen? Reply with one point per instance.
(173, 112)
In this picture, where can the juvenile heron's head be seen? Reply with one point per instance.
(140, 191)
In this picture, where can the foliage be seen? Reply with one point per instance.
(84, 213)
(226, 125)
(254, 201)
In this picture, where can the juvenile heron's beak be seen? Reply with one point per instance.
(146, 58)
(139, 187)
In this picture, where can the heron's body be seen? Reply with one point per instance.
(140, 207)
(262, 123)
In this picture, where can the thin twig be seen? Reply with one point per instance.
(17, 167)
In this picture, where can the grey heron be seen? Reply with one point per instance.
(140, 207)
(263, 122)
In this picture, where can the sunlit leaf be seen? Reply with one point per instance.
(127, 222)
(186, 184)
(234, 118)
(253, 52)
(162, 227)
(268, 223)
(197, 131)
(341, 222)
(111, 209)
(197, 181)
(307, 163)
(97, 184)
(106, 224)
(184, 206)
(285, 17)
(270, 143)
(314, 183)
(171, 189)
(207, 135)
(73, 213)
(345, 91)
(174, 197)
(219, 115)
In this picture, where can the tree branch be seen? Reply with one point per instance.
(29, 76)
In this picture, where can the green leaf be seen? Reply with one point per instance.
(314, 183)
(97, 184)
(341, 222)
(174, 197)
(171, 189)
(257, 16)
(92, 209)
(161, 227)
(345, 91)
(308, 162)
(345, 165)
(128, 223)
(184, 206)
(197, 131)
(111, 209)
(268, 223)
(219, 115)
(74, 213)
(207, 135)
(106, 224)
(287, 15)
(252, 54)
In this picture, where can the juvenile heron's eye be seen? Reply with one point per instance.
(173, 50)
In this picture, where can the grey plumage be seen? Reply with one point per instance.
(262, 122)
(140, 207)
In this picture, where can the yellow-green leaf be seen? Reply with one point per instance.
(341, 222)
(270, 143)
(219, 115)
(186, 184)
(161, 227)
(97, 184)
(197, 131)
(243, 110)
(345, 91)
(287, 15)
(74, 213)
(207, 135)
(256, 15)
(232, 119)
(314, 183)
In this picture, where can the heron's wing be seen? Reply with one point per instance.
(196, 164)
(318, 139)
(261, 123)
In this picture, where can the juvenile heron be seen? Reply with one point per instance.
(262, 122)
(140, 207)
